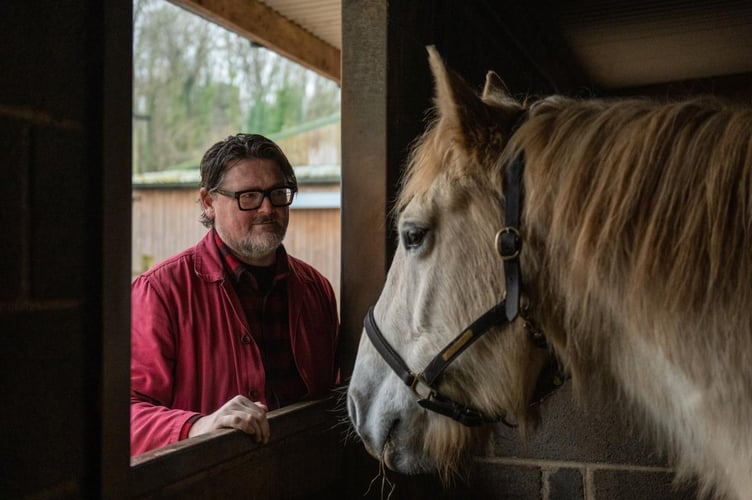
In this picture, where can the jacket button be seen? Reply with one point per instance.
(246, 339)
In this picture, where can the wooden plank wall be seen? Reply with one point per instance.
(314, 236)
(165, 222)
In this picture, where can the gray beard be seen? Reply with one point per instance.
(258, 247)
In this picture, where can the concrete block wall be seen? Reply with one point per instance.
(578, 452)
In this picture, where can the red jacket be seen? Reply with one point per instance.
(191, 348)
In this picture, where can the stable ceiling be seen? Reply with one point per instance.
(617, 43)
(637, 43)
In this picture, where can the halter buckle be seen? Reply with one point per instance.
(465, 415)
(508, 242)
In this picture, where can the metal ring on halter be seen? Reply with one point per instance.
(414, 387)
(514, 244)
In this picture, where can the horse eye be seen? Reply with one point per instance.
(413, 236)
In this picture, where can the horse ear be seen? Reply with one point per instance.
(495, 87)
(458, 105)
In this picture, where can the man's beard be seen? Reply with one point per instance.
(257, 246)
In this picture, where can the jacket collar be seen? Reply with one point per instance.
(207, 260)
(209, 265)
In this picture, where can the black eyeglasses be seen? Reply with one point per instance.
(252, 199)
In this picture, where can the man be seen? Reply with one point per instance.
(234, 326)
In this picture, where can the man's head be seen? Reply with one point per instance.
(236, 175)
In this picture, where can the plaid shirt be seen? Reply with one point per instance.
(263, 295)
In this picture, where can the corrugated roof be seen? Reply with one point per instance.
(321, 18)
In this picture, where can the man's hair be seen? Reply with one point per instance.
(224, 154)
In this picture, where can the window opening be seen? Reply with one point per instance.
(195, 83)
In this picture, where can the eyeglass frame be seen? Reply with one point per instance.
(265, 193)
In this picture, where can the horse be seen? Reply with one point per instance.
(610, 235)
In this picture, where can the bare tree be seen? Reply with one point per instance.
(195, 82)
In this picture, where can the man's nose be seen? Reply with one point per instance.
(266, 205)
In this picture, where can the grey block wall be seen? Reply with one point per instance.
(583, 451)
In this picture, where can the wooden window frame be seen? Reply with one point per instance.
(302, 433)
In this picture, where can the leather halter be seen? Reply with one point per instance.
(508, 244)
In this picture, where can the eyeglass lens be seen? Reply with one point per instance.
(280, 197)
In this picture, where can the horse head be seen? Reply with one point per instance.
(414, 409)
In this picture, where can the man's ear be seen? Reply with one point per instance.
(207, 202)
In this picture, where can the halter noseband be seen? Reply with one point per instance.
(430, 398)
(508, 244)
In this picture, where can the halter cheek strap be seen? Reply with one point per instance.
(508, 239)
(493, 317)
(432, 399)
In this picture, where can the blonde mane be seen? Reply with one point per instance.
(652, 201)
(444, 146)
(671, 183)
(427, 155)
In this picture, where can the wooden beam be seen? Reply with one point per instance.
(263, 25)
(365, 156)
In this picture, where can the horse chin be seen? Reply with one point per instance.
(398, 460)
(388, 439)
(439, 445)
(401, 452)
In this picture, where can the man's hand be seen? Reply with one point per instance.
(238, 413)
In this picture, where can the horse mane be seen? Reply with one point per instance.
(671, 185)
(426, 156)
(643, 207)
(440, 149)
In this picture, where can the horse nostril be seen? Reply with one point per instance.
(392, 428)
